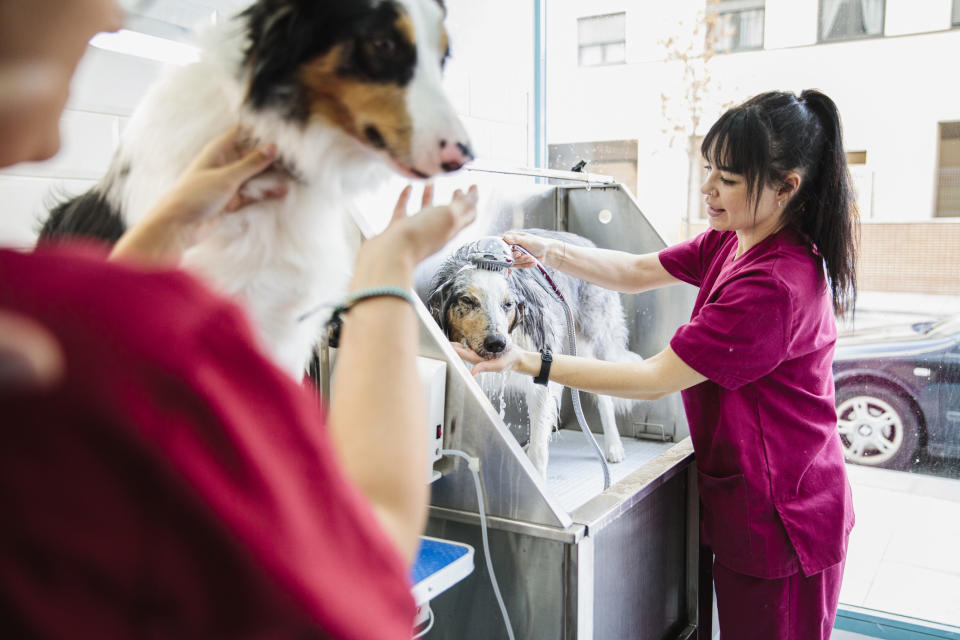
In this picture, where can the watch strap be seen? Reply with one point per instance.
(546, 359)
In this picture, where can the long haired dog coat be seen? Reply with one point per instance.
(488, 311)
(345, 88)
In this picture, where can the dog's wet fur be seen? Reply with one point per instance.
(489, 311)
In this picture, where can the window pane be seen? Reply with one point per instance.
(591, 56)
(751, 29)
(602, 29)
(844, 19)
(614, 53)
(956, 12)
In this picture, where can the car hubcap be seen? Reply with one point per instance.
(871, 430)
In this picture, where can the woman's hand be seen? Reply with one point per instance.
(389, 258)
(30, 357)
(508, 360)
(543, 249)
(210, 186)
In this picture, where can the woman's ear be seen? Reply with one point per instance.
(789, 186)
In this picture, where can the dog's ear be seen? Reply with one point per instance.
(533, 298)
(439, 302)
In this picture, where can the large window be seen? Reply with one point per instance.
(602, 39)
(739, 25)
(948, 182)
(850, 19)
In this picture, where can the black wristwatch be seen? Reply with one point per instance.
(545, 359)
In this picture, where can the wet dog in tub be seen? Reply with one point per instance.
(490, 310)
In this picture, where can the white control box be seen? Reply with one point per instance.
(433, 380)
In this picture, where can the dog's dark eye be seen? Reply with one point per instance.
(507, 305)
(470, 303)
(384, 46)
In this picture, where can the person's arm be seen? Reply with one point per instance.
(210, 186)
(616, 270)
(649, 379)
(377, 416)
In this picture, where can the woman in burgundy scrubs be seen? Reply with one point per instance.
(754, 362)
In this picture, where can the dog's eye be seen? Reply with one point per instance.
(384, 46)
(470, 303)
(507, 305)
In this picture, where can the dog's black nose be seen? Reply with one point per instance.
(495, 343)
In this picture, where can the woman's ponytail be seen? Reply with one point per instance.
(825, 208)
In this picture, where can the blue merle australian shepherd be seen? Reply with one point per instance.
(348, 90)
(488, 311)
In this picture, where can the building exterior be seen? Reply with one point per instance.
(887, 63)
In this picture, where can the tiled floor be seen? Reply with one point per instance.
(904, 555)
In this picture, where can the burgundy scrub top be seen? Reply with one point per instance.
(176, 484)
(771, 472)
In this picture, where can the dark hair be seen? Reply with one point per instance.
(777, 132)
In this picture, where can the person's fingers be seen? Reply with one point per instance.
(467, 354)
(427, 200)
(400, 210)
(252, 163)
(30, 356)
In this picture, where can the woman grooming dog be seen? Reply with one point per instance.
(754, 362)
(159, 476)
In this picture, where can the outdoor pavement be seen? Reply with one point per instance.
(904, 555)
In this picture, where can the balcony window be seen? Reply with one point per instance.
(850, 19)
(602, 40)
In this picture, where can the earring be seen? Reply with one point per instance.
(779, 203)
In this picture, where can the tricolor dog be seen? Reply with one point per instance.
(490, 310)
(346, 89)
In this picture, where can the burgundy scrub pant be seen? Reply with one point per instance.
(791, 608)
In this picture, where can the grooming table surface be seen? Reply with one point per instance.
(574, 475)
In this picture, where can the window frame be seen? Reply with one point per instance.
(607, 43)
(823, 39)
(737, 8)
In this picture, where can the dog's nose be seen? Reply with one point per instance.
(454, 155)
(495, 343)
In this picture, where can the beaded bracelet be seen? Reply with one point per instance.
(335, 324)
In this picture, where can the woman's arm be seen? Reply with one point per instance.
(649, 379)
(377, 416)
(616, 270)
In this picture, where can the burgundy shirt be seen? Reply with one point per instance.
(175, 484)
(764, 427)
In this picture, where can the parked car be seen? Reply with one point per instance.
(898, 392)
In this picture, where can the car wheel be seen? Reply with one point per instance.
(878, 426)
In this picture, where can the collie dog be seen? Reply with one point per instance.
(488, 311)
(346, 89)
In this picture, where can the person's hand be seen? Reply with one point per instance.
(506, 361)
(389, 258)
(213, 184)
(30, 357)
(536, 245)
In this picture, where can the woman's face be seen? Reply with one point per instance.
(41, 42)
(730, 208)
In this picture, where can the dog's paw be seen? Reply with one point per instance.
(614, 451)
